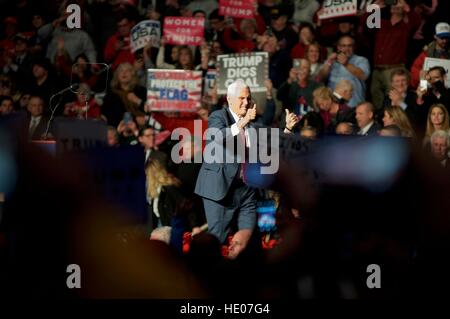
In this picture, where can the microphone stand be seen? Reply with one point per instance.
(86, 97)
(56, 107)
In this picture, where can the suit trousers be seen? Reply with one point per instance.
(237, 209)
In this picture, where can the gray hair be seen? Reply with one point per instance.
(236, 87)
(441, 134)
(344, 85)
(252, 22)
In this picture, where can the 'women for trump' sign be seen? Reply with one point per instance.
(174, 90)
(184, 31)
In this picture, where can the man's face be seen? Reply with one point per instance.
(304, 70)
(35, 106)
(442, 42)
(140, 120)
(345, 27)
(435, 76)
(248, 29)
(271, 45)
(398, 8)
(347, 94)
(279, 23)
(216, 24)
(346, 46)
(363, 115)
(111, 138)
(124, 27)
(239, 104)
(313, 53)
(399, 83)
(6, 107)
(37, 21)
(21, 46)
(439, 148)
(148, 138)
(39, 71)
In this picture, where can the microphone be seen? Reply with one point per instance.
(71, 87)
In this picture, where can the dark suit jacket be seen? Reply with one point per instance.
(373, 129)
(40, 128)
(214, 179)
(413, 111)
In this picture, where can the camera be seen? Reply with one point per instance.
(423, 85)
(127, 118)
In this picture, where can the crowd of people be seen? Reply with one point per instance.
(326, 77)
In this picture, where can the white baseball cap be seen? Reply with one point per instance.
(443, 30)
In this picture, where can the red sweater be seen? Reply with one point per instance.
(391, 41)
(238, 45)
(115, 57)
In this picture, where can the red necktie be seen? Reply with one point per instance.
(244, 149)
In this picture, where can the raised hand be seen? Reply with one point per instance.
(251, 113)
(291, 120)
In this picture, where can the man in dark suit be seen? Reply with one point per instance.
(37, 122)
(228, 201)
(150, 139)
(366, 121)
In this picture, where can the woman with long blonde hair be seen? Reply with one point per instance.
(126, 95)
(394, 115)
(166, 199)
(437, 119)
(163, 193)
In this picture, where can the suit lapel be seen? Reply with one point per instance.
(228, 116)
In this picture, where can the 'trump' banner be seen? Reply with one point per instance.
(237, 8)
(184, 31)
(148, 31)
(338, 8)
(174, 90)
(250, 67)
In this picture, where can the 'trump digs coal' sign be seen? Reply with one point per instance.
(181, 30)
(252, 68)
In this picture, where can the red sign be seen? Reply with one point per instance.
(237, 8)
(184, 31)
(174, 90)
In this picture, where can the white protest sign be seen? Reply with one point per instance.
(147, 31)
(338, 8)
(252, 68)
(431, 62)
